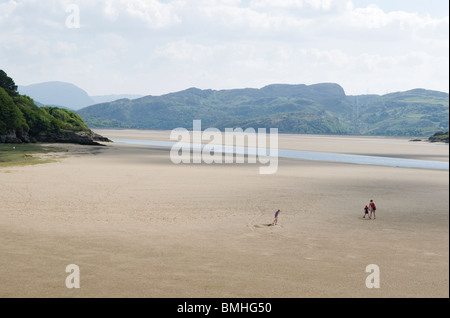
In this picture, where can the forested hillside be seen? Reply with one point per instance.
(314, 109)
(21, 120)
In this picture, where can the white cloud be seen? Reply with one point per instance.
(184, 51)
(65, 48)
(6, 9)
(374, 17)
(314, 4)
(110, 11)
(155, 14)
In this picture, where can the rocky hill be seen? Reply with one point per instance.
(21, 120)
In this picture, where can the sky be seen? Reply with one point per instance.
(154, 47)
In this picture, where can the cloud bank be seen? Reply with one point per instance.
(155, 47)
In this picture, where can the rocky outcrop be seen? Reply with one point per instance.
(81, 137)
(10, 137)
(98, 137)
(15, 137)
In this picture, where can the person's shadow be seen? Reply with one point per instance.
(265, 225)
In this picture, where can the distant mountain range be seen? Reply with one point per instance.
(65, 95)
(314, 109)
(306, 109)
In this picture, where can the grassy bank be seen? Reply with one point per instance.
(25, 154)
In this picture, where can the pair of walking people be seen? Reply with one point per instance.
(369, 210)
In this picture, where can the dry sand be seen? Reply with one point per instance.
(139, 226)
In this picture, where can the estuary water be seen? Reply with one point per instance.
(304, 155)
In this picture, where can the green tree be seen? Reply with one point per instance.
(7, 83)
(11, 118)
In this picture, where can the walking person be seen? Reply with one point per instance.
(366, 211)
(372, 209)
(275, 221)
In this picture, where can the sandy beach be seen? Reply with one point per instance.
(138, 225)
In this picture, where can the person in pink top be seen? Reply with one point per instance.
(372, 209)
